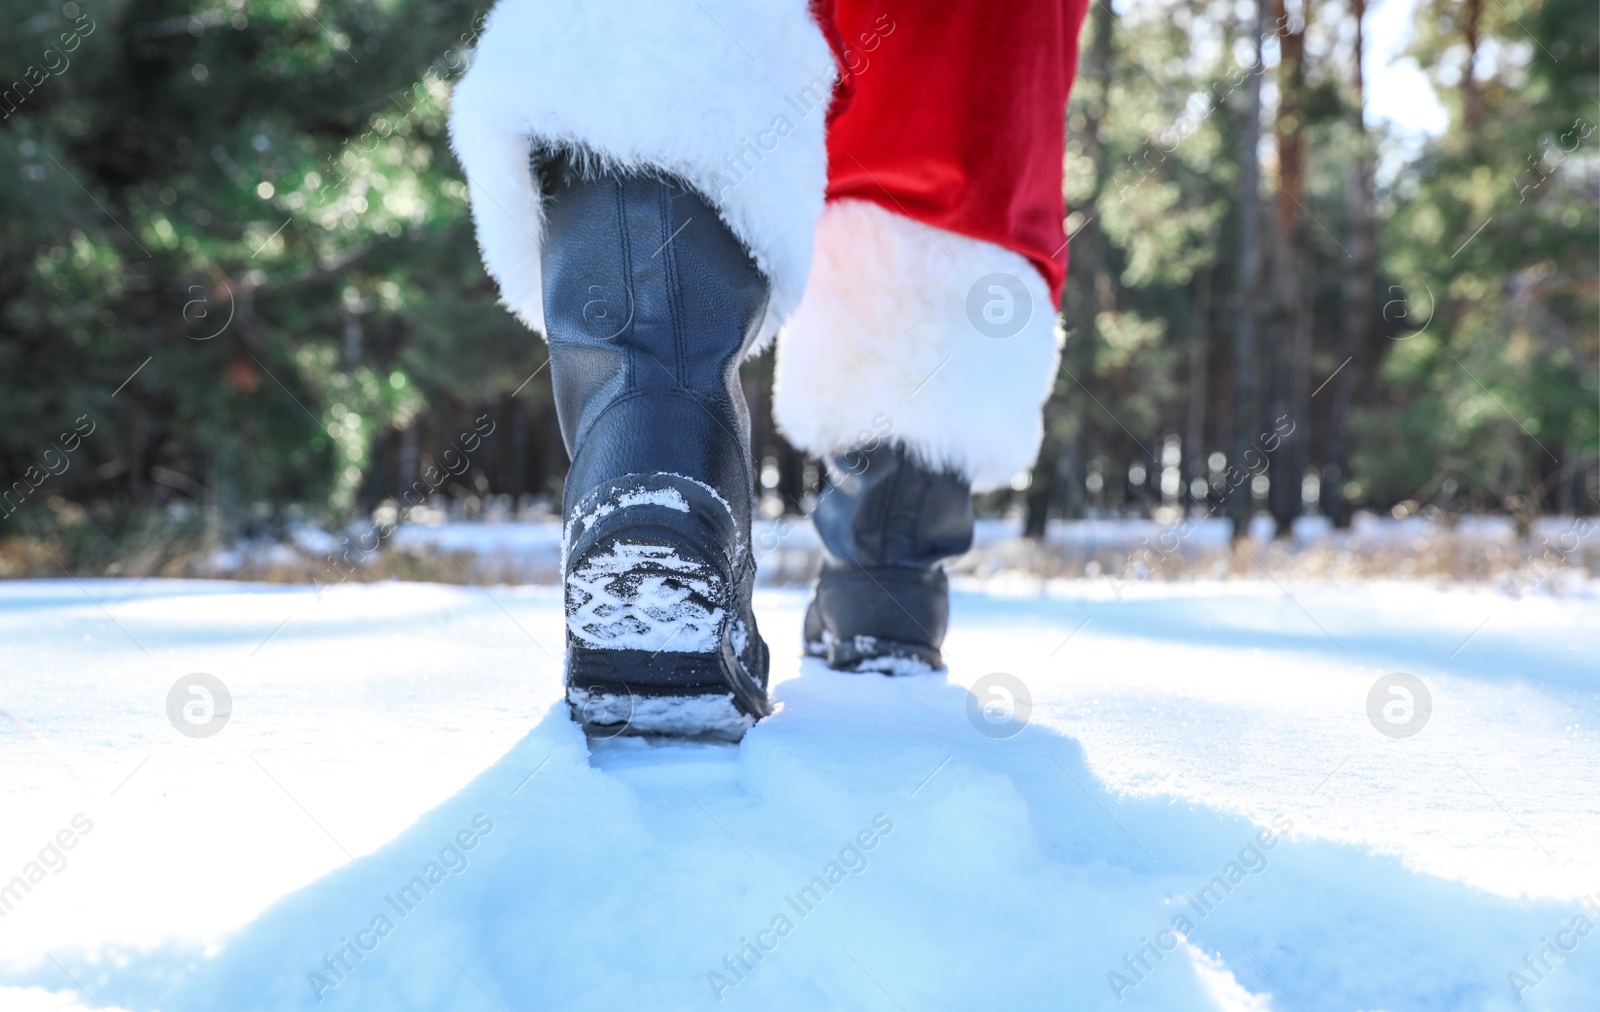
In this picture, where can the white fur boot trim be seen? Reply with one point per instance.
(729, 95)
(920, 336)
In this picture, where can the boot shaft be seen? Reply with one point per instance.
(650, 304)
(884, 507)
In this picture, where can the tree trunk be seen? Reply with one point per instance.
(138, 448)
(1291, 403)
(1471, 95)
(519, 450)
(1194, 430)
(409, 454)
(1042, 492)
(1090, 289)
(1357, 298)
(791, 476)
(1244, 334)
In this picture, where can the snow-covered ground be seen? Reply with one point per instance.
(1198, 755)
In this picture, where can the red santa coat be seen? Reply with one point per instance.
(953, 113)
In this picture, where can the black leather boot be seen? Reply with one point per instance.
(882, 601)
(650, 302)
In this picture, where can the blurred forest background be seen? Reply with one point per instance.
(239, 289)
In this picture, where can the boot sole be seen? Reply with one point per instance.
(651, 612)
(619, 712)
(859, 600)
(861, 654)
(618, 692)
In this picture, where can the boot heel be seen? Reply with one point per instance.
(653, 628)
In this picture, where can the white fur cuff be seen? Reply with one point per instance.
(947, 344)
(729, 95)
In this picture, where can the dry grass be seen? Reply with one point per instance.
(1440, 557)
(1440, 553)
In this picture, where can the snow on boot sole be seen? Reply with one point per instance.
(862, 653)
(655, 627)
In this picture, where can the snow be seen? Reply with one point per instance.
(631, 595)
(702, 716)
(1200, 750)
(532, 537)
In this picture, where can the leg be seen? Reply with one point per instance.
(645, 193)
(929, 320)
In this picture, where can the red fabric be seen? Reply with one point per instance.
(952, 112)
